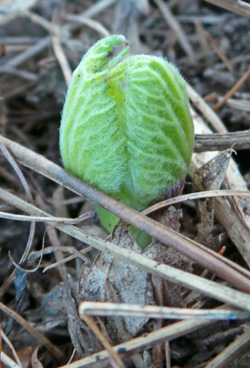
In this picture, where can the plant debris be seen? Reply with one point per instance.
(41, 43)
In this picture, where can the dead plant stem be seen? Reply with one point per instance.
(165, 235)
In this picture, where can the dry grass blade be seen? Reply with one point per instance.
(219, 52)
(141, 343)
(191, 196)
(232, 91)
(33, 50)
(49, 26)
(38, 48)
(173, 23)
(205, 110)
(62, 59)
(236, 6)
(97, 8)
(8, 342)
(114, 358)
(56, 220)
(207, 287)
(98, 27)
(191, 249)
(28, 193)
(7, 361)
(151, 311)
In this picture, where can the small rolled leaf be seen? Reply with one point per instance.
(126, 126)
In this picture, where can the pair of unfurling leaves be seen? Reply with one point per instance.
(126, 127)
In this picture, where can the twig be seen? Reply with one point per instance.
(198, 195)
(235, 6)
(219, 52)
(33, 50)
(165, 235)
(55, 220)
(222, 141)
(186, 279)
(152, 311)
(7, 361)
(242, 105)
(8, 342)
(70, 258)
(41, 338)
(173, 23)
(49, 26)
(230, 93)
(141, 343)
(62, 59)
(97, 8)
(90, 12)
(25, 185)
(205, 109)
(97, 26)
(114, 358)
(19, 73)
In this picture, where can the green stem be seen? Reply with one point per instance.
(109, 221)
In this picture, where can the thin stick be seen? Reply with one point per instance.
(198, 195)
(7, 361)
(190, 248)
(62, 59)
(173, 23)
(205, 110)
(222, 141)
(235, 6)
(19, 73)
(152, 311)
(56, 220)
(25, 185)
(219, 52)
(141, 343)
(186, 279)
(97, 26)
(33, 50)
(49, 26)
(230, 93)
(8, 342)
(155, 207)
(97, 8)
(114, 358)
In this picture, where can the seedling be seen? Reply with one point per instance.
(126, 127)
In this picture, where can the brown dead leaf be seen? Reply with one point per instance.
(132, 285)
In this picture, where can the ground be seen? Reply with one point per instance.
(41, 43)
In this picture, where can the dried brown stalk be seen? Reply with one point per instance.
(141, 343)
(174, 24)
(235, 6)
(186, 279)
(222, 141)
(114, 358)
(230, 93)
(190, 248)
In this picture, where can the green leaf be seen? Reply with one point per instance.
(126, 126)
